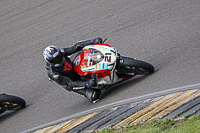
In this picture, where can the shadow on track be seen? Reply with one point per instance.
(117, 87)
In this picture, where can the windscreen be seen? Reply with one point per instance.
(92, 57)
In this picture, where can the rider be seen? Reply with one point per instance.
(60, 69)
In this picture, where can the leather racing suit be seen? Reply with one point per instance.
(65, 75)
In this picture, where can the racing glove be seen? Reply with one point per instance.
(97, 40)
(91, 83)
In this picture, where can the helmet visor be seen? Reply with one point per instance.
(56, 60)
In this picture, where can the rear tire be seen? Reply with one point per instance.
(139, 67)
(10, 102)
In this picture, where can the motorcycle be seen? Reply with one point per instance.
(107, 66)
(10, 102)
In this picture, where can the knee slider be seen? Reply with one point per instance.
(56, 76)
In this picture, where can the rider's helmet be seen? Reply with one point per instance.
(53, 56)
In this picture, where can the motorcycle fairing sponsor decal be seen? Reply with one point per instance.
(105, 48)
(102, 66)
(77, 62)
(88, 69)
(83, 66)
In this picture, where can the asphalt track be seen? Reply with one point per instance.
(165, 33)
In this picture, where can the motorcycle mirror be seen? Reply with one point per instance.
(104, 40)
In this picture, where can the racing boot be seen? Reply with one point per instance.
(93, 95)
(91, 91)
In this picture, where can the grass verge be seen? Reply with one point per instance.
(186, 125)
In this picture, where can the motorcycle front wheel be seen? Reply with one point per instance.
(133, 66)
(10, 102)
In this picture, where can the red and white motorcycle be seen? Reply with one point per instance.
(103, 62)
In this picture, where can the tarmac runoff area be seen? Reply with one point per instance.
(173, 104)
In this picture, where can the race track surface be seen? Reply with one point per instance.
(165, 33)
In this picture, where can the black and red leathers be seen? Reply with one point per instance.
(65, 75)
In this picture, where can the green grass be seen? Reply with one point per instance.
(186, 125)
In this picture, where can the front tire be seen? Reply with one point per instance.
(139, 67)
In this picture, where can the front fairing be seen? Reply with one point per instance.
(97, 58)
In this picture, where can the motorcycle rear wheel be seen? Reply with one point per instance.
(10, 102)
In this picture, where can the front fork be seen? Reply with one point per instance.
(122, 67)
